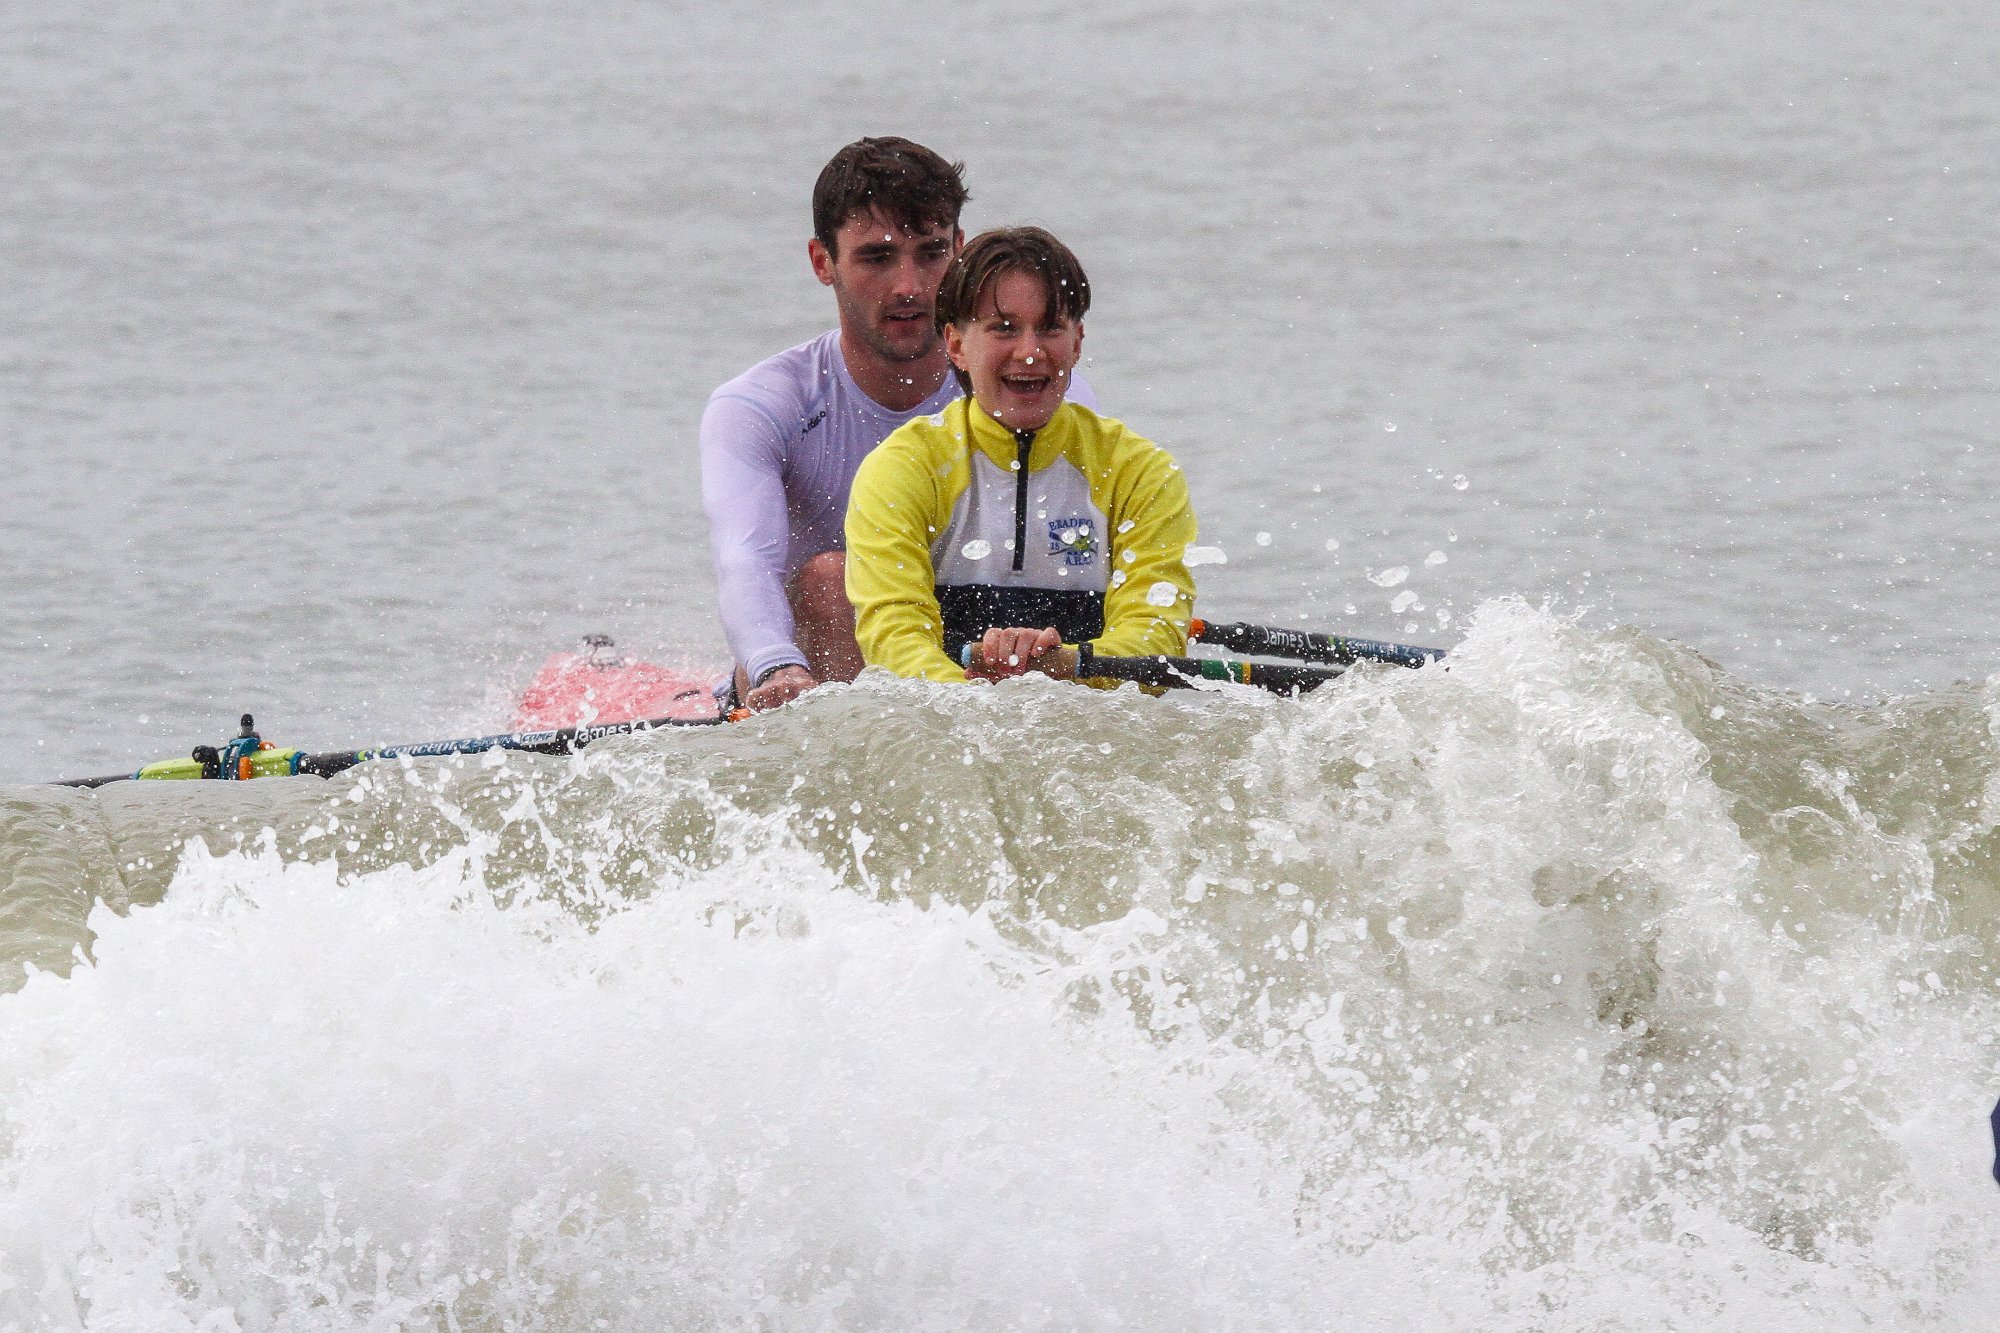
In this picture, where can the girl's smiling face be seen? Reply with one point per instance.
(1017, 349)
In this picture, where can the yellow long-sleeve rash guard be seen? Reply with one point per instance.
(942, 536)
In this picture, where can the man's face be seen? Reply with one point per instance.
(885, 282)
(1017, 349)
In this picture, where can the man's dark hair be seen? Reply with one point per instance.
(908, 183)
(1009, 250)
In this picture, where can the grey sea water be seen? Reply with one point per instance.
(1635, 972)
(352, 357)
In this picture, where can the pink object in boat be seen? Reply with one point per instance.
(600, 684)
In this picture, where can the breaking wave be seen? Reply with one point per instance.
(1571, 985)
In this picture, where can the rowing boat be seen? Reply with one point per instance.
(580, 697)
(601, 684)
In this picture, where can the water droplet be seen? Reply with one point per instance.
(1404, 601)
(1389, 426)
(1333, 543)
(1205, 555)
(1436, 558)
(1460, 482)
(1162, 594)
(976, 549)
(1389, 578)
(1263, 539)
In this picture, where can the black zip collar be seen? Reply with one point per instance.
(1024, 440)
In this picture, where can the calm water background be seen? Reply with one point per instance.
(1637, 972)
(352, 356)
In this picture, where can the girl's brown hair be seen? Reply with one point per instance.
(1011, 249)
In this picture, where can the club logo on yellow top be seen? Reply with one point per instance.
(1074, 539)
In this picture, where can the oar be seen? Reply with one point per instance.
(1180, 672)
(259, 761)
(1308, 646)
(1174, 672)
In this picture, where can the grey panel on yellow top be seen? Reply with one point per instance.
(1096, 490)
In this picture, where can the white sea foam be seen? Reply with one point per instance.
(1518, 993)
(750, 1096)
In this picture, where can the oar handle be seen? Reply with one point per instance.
(1180, 672)
(1308, 645)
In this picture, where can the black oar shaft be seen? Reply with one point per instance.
(1309, 645)
(561, 740)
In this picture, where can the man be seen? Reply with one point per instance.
(781, 442)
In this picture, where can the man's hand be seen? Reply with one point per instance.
(780, 687)
(1015, 652)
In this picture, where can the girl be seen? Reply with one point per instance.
(1015, 520)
